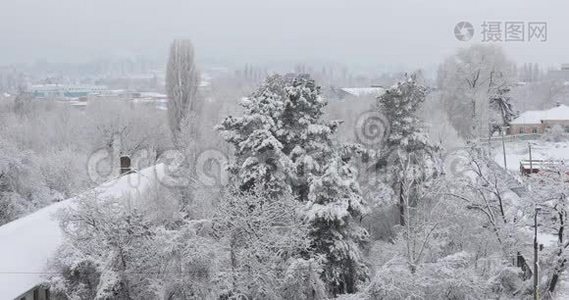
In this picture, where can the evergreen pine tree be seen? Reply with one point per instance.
(258, 151)
(407, 154)
(281, 139)
(282, 144)
(334, 207)
(501, 103)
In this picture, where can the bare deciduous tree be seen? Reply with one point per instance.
(182, 82)
(465, 81)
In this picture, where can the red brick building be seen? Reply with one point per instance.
(539, 121)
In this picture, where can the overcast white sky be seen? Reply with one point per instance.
(406, 32)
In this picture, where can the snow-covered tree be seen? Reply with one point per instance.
(113, 124)
(22, 102)
(182, 82)
(325, 178)
(308, 139)
(22, 187)
(549, 191)
(506, 211)
(408, 144)
(281, 139)
(268, 244)
(334, 209)
(259, 156)
(466, 80)
(501, 104)
(444, 250)
(555, 134)
(282, 145)
(112, 251)
(487, 191)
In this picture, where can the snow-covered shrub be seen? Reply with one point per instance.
(507, 281)
(23, 103)
(302, 280)
(22, 188)
(450, 277)
(555, 134)
(189, 262)
(394, 281)
(112, 251)
(74, 277)
(65, 171)
(12, 206)
(267, 242)
(159, 205)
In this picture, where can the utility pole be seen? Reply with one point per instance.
(489, 145)
(535, 249)
(530, 161)
(504, 147)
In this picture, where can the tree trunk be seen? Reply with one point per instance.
(401, 205)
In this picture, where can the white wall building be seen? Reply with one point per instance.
(66, 90)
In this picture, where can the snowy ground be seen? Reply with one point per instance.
(519, 150)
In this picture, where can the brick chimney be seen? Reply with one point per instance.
(125, 165)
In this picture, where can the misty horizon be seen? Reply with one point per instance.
(396, 35)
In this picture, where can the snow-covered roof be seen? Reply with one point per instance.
(27, 243)
(365, 91)
(152, 95)
(560, 112)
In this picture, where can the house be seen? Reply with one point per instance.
(157, 100)
(345, 93)
(538, 121)
(28, 243)
(362, 92)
